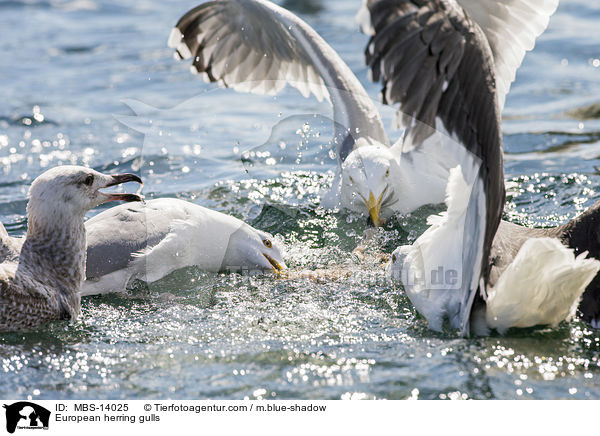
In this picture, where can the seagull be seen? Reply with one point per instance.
(257, 46)
(422, 52)
(449, 65)
(448, 273)
(42, 282)
(535, 277)
(148, 241)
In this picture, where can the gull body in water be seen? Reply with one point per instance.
(149, 240)
(41, 275)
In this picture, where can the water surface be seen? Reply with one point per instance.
(92, 82)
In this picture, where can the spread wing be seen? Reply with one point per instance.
(511, 28)
(256, 46)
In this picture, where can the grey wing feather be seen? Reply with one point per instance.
(232, 47)
(114, 235)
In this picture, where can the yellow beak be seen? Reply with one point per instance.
(374, 207)
(277, 268)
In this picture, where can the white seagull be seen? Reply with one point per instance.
(41, 280)
(148, 241)
(449, 65)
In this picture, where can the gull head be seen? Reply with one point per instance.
(73, 190)
(368, 175)
(250, 249)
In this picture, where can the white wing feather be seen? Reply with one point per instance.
(511, 27)
(542, 285)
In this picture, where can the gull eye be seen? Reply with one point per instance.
(89, 180)
(387, 173)
(394, 258)
(268, 243)
(351, 179)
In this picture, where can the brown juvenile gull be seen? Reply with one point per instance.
(42, 283)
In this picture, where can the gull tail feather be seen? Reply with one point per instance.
(541, 286)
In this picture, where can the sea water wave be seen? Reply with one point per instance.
(82, 81)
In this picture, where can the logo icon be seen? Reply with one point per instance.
(26, 415)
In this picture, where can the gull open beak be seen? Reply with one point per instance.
(374, 207)
(277, 268)
(119, 179)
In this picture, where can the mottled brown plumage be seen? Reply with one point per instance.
(23, 308)
(9, 247)
(41, 283)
